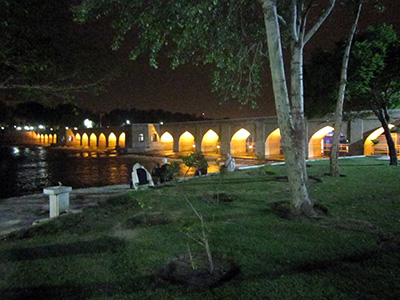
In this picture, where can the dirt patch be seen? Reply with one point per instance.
(195, 272)
(283, 210)
(390, 243)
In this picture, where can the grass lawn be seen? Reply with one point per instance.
(116, 251)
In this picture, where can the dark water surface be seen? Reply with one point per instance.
(28, 169)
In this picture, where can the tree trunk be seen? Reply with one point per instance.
(383, 117)
(293, 145)
(334, 158)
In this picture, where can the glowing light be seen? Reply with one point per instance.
(19, 128)
(369, 145)
(128, 122)
(41, 127)
(88, 123)
(218, 146)
(121, 142)
(194, 146)
(239, 142)
(112, 140)
(161, 123)
(241, 134)
(273, 143)
(167, 138)
(186, 141)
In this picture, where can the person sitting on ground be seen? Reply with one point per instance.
(163, 172)
(140, 176)
(230, 163)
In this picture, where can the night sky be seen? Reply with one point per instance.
(188, 89)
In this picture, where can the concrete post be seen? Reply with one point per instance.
(58, 198)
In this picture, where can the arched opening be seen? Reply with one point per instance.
(316, 144)
(42, 138)
(376, 142)
(93, 140)
(112, 140)
(50, 138)
(273, 145)
(46, 138)
(167, 141)
(186, 142)
(102, 141)
(77, 140)
(121, 141)
(54, 138)
(85, 140)
(242, 143)
(210, 142)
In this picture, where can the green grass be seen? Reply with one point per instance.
(117, 250)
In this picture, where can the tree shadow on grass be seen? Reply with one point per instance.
(76, 248)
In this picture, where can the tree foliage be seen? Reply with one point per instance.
(44, 53)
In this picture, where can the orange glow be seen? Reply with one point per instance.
(315, 145)
(55, 138)
(77, 140)
(239, 142)
(273, 143)
(210, 142)
(369, 147)
(186, 142)
(112, 140)
(102, 141)
(121, 142)
(93, 140)
(85, 140)
(167, 141)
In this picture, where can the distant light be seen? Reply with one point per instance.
(18, 128)
(66, 127)
(194, 146)
(218, 146)
(31, 128)
(41, 127)
(26, 127)
(88, 123)
(128, 122)
(203, 114)
(51, 129)
(161, 123)
(75, 128)
(2, 128)
(251, 147)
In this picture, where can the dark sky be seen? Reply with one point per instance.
(188, 89)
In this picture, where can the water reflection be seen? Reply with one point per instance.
(27, 170)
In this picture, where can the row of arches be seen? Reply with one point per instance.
(242, 143)
(42, 138)
(101, 141)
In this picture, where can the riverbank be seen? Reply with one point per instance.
(20, 212)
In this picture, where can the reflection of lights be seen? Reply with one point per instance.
(88, 123)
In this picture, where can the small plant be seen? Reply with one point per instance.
(195, 160)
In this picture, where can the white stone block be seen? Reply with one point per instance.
(59, 199)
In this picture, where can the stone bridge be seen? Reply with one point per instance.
(247, 137)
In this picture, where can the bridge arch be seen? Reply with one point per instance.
(167, 141)
(376, 142)
(112, 140)
(93, 140)
(316, 143)
(186, 142)
(85, 140)
(77, 140)
(242, 143)
(122, 140)
(273, 145)
(102, 143)
(210, 142)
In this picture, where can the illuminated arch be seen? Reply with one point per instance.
(186, 142)
(369, 146)
(54, 138)
(46, 138)
(210, 142)
(316, 144)
(102, 141)
(112, 140)
(121, 140)
(85, 140)
(167, 141)
(77, 140)
(242, 143)
(273, 144)
(93, 140)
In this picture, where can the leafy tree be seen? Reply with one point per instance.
(375, 81)
(235, 36)
(44, 53)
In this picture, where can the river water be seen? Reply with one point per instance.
(28, 169)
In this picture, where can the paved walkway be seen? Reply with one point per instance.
(20, 212)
